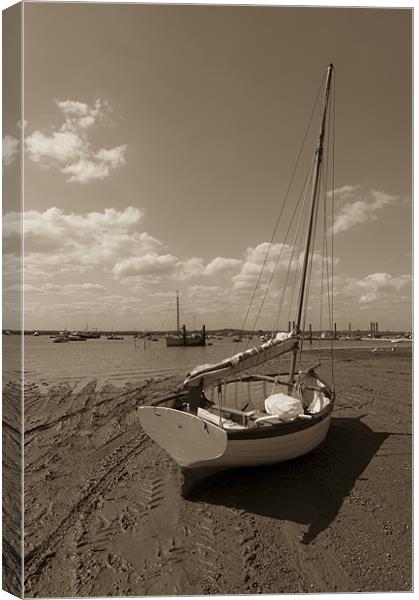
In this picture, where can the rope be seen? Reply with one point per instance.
(323, 266)
(333, 214)
(278, 316)
(279, 257)
(283, 203)
(324, 235)
(220, 401)
(300, 246)
(310, 268)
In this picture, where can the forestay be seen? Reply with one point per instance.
(208, 375)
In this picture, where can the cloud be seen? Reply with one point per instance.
(221, 265)
(103, 162)
(354, 208)
(69, 148)
(148, 264)
(255, 258)
(86, 259)
(381, 286)
(52, 288)
(10, 150)
(58, 148)
(114, 157)
(58, 242)
(84, 171)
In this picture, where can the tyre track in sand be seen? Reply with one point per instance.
(109, 472)
(316, 568)
(223, 543)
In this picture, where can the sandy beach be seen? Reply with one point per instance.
(104, 516)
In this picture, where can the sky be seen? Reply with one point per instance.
(158, 146)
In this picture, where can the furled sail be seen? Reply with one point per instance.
(243, 361)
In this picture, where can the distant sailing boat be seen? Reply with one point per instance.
(232, 414)
(182, 338)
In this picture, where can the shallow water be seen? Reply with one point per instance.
(129, 360)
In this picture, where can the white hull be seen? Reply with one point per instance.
(272, 450)
(204, 448)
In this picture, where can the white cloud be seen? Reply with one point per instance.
(52, 288)
(146, 265)
(381, 286)
(10, 150)
(59, 242)
(58, 148)
(255, 258)
(221, 265)
(79, 115)
(114, 157)
(84, 171)
(69, 148)
(141, 274)
(354, 208)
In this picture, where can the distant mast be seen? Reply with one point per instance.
(314, 197)
(177, 313)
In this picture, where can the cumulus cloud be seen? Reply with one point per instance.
(59, 242)
(69, 148)
(381, 286)
(354, 208)
(113, 158)
(59, 147)
(254, 259)
(221, 265)
(53, 288)
(148, 264)
(68, 254)
(10, 150)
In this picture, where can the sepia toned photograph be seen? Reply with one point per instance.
(207, 299)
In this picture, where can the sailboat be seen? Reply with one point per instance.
(235, 414)
(182, 338)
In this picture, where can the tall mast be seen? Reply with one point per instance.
(177, 312)
(314, 197)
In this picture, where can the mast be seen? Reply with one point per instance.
(314, 197)
(177, 312)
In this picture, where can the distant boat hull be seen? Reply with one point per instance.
(60, 340)
(185, 341)
(202, 448)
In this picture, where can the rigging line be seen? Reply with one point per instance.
(327, 254)
(303, 233)
(294, 244)
(297, 246)
(280, 253)
(310, 268)
(326, 245)
(330, 314)
(300, 251)
(304, 188)
(285, 199)
(323, 267)
(325, 248)
(333, 210)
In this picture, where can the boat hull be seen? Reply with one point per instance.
(174, 341)
(204, 449)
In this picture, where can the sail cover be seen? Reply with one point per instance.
(249, 359)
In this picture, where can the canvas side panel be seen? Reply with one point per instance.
(12, 302)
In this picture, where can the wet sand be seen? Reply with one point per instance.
(104, 515)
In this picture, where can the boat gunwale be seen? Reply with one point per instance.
(279, 429)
